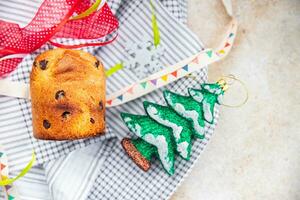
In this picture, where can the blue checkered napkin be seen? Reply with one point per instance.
(109, 173)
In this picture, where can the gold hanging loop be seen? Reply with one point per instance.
(225, 85)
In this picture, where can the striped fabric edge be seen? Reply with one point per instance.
(76, 186)
(33, 185)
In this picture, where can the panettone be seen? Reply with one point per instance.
(67, 89)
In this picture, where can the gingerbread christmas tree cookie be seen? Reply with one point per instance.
(168, 130)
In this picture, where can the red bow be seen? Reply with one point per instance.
(51, 23)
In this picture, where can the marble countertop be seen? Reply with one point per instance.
(255, 151)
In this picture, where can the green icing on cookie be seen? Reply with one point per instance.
(167, 130)
(189, 109)
(155, 134)
(146, 149)
(208, 96)
(180, 127)
(212, 88)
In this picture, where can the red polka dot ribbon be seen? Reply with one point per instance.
(53, 23)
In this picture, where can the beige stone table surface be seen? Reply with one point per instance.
(255, 151)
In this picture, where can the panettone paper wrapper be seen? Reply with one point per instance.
(108, 173)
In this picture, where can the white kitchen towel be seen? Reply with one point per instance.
(116, 175)
(73, 176)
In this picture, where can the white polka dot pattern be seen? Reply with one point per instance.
(52, 21)
(44, 25)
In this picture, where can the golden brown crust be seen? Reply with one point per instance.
(135, 155)
(67, 89)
